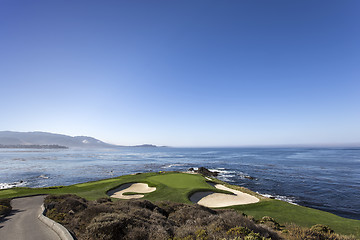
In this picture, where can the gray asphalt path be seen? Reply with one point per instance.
(23, 223)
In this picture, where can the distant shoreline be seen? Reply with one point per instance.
(34, 146)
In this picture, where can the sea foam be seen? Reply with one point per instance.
(11, 185)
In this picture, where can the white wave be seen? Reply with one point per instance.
(209, 152)
(11, 185)
(174, 165)
(279, 197)
(224, 179)
(43, 176)
(245, 176)
(222, 171)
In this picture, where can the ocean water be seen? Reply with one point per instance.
(323, 178)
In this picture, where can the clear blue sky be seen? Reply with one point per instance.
(183, 73)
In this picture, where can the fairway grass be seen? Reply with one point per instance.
(177, 187)
(286, 213)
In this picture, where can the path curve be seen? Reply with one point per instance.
(23, 222)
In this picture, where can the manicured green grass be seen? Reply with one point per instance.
(169, 186)
(179, 181)
(177, 187)
(285, 213)
(89, 190)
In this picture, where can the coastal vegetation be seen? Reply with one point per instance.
(175, 188)
(142, 219)
(5, 207)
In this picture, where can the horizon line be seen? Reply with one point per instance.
(280, 145)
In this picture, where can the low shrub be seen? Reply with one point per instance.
(317, 232)
(65, 203)
(142, 219)
(107, 226)
(103, 200)
(5, 207)
(270, 222)
(4, 210)
(55, 215)
(254, 236)
(321, 228)
(238, 231)
(5, 202)
(201, 234)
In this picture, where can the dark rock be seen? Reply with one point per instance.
(250, 177)
(207, 172)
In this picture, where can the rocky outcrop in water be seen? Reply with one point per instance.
(204, 171)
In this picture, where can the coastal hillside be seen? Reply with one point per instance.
(9, 138)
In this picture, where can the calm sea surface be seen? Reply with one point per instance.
(326, 179)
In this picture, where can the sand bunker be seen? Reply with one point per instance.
(131, 187)
(211, 199)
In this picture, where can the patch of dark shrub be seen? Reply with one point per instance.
(321, 228)
(5, 207)
(5, 202)
(65, 203)
(316, 232)
(103, 200)
(270, 222)
(142, 219)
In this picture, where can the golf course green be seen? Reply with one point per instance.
(178, 187)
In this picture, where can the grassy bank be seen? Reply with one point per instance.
(177, 187)
(285, 213)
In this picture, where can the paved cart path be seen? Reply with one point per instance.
(23, 222)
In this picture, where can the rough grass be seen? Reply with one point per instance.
(177, 187)
(295, 232)
(286, 213)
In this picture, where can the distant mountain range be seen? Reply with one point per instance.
(10, 139)
(38, 139)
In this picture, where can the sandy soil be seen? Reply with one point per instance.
(211, 199)
(131, 187)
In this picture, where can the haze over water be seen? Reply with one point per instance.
(322, 178)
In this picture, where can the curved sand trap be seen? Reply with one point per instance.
(211, 199)
(131, 187)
